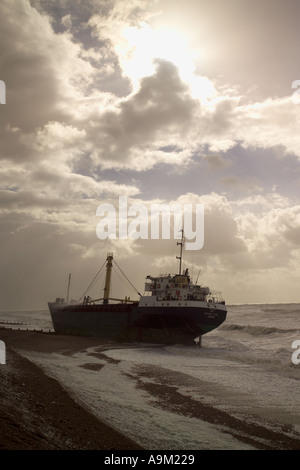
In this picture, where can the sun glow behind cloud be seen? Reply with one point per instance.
(121, 101)
(142, 44)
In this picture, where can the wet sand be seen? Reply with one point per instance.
(36, 412)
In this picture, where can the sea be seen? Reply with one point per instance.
(238, 391)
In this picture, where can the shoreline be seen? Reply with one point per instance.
(36, 412)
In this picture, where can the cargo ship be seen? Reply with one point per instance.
(172, 310)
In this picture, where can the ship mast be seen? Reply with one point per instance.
(181, 243)
(68, 291)
(108, 278)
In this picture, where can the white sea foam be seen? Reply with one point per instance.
(112, 395)
(244, 368)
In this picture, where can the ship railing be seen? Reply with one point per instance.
(89, 300)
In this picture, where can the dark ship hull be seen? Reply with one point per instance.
(177, 311)
(131, 322)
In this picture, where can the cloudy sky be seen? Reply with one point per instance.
(160, 101)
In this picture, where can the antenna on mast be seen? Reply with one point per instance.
(181, 243)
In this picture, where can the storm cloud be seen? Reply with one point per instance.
(91, 115)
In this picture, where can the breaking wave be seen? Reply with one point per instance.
(255, 330)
